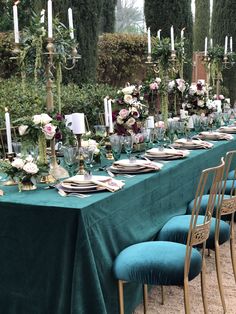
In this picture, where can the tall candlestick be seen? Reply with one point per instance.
(16, 27)
(172, 38)
(49, 18)
(226, 45)
(149, 41)
(106, 112)
(159, 34)
(205, 52)
(211, 43)
(231, 44)
(110, 116)
(71, 27)
(8, 131)
(182, 34)
(42, 16)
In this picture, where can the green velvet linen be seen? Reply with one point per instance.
(176, 230)
(156, 263)
(57, 253)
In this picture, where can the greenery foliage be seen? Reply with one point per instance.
(121, 58)
(224, 23)
(86, 98)
(107, 20)
(201, 24)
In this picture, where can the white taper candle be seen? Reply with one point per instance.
(16, 27)
(8, 131)
(49, 18)
(71, 27)
(149, 41)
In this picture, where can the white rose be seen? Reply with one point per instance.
(119, 120)
(171, 85)
(31, 168)
(18, 163)
(158, 80)
(131, 122)
(37, 119)
(29, 158)
(45, 118)
(22, 129)
(128, 99)
(128, 90)
(200, 103)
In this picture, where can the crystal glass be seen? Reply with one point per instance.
(197, 123)
(70, 157)
(116, 145)
(180, 129)
(87, 153)
(160, 134)
(128, 145)
(100, 130)
(171, 128)
(226, 117)
(147, 137)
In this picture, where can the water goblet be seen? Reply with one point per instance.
(226, 117)
(171, 127)
(70, 155)
(116, 146)
(87, 153)
(160, 134)
(180, 129)
(128, 145)
(147, 137)
(197, 124)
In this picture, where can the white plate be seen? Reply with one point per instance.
(73, 186)
(83, 189)
(156, 152)
(81, 179)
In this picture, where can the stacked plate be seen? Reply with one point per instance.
(228, 129)
(192, 144)
(81, 184)
(166, 154)
(215, 136)
(134, 166)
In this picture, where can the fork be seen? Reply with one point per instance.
(75, 194)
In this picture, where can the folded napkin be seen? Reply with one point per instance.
(111, 185)
(228, 129)
(166, 152)
(197, 143)
(216, 135)
(138, 164)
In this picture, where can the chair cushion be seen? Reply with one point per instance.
(231, 175)
(156, 263)
(204, 206)
(176, 230)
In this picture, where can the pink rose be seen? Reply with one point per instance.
(153, 86)
(160, 124)
(124, 113)
(49, 130)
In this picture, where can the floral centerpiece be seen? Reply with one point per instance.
(25, 171)
(151, 90)
(196, 101)
(177, 90)
(131, 113)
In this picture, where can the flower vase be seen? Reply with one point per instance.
(26, 184)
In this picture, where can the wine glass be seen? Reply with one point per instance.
(87, 153)
(70, 154)
(147, 137)
(160, 133)
(116, 146)
(128, 145)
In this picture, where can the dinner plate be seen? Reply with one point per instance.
(228, 129)
(130, 163)
(74, 186)
(129, 171)
(90, 189)
(83, 181)
(215, 135)
(166, 153)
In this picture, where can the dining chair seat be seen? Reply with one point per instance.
(156, 263)
(204, 203)
(228, 186)
(231, 175)
(177, 228)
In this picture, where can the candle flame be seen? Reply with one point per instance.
(17, 2)
(6, 109)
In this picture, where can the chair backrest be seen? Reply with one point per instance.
(199, 228)
(228, 204)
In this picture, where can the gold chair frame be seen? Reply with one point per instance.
(228, 207)
(197, 235)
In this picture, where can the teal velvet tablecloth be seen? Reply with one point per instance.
(56, 253)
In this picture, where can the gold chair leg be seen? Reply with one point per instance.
(145, 298)
(121, 296)
(208, 252)
(203, 283)
(219, 276)
(232, 247)
(162, 295)
(186, 297)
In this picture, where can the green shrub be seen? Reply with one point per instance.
(121, 58)
(31, 99)
(7, 64)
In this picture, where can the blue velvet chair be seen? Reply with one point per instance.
(168, 263)
(226, 212)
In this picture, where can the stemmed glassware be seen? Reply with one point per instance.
(171, 128)
(116, 145)
(70, 157)
(128, 145)
(147, 137)
(87, 153)
(160, 133)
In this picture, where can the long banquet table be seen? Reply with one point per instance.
(56, 253)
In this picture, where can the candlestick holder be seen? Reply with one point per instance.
(107, 144)
(149, 59)
(81, 170)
